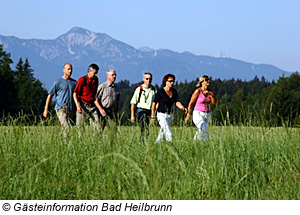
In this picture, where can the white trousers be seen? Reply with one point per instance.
(201, 120)
(165, 121)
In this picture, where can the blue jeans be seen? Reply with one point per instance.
(143, 117)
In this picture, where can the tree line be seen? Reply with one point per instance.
(20, 93)
(257, 102)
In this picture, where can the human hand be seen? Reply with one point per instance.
(205, 92)
(152, 120)
(132, 118)
(186, 120)
(45, 113)
(185, 110)
(79, 109)
(103, 113)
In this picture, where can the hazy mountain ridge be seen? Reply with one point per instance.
(82, 47)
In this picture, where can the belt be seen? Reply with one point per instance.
(111, 108)
(87, 104)
(144, 109)
(165, 113)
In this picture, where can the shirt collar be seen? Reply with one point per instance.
(113, 84)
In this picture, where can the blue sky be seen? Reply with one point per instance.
(256, 31)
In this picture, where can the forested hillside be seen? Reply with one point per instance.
(20, 93)
(255, 102)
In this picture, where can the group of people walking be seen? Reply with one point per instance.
(86, 99)
(99, 103)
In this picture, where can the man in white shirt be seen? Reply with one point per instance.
(141, 101)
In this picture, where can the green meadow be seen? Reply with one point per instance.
(237, 162)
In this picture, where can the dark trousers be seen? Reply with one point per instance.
(143, 117)
(111, 114)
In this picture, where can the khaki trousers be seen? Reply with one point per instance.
(64, 118)
(89, 115)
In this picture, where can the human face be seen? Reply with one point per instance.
(206, 82)
(67, 70)
(170, 82)
(147, 80)
(92, 73)
(111, 76)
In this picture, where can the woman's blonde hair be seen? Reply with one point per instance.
(202, 78)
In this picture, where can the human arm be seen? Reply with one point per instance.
(98, 98)
(213, 98)
(178, 103)
(191, 104)
(133, 103)
(77, 92)
(153, 111)
(78, 107)
(102, 111)
(180, 106)
(208, 92)
(132, 111)
(155, 105)
(49, 97)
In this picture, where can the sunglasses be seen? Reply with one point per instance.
(110, 73)
(148, 79)
(171, 81)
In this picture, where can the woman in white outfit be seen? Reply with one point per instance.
(201, 114)
(163, 104)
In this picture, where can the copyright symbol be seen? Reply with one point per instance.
(6, 206)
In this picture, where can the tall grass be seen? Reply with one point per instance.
(237, 162)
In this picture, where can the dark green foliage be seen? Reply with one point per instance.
(20, 92)
(31, 95)
(284, 100)
(256, 102)
(8, 91)
(126, 94)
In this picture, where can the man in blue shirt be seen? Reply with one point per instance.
(62, 89)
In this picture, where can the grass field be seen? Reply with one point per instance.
(237, 162)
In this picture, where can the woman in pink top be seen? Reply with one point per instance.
(201, 114)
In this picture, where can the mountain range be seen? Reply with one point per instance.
(81, 47)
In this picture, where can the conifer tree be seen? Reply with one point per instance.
(31, 94)
(7, 88)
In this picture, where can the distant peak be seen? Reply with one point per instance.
(83, 31)
(81, 36)
(78, 36)
(79, 30)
